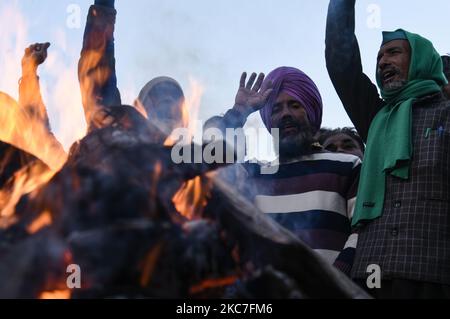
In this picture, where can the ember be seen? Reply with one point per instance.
(57, 294)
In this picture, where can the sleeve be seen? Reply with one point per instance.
(231, 120)
(97, 65)
(36, 137)
(358, 94)
(30, 99)
(227, 129)
(344, 261)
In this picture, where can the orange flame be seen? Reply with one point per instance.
(23, 182)
(150, 264)
(29, 133)
(192, 198)
(192, 105)
(42, 221)
(92, 76)
(22, 125)
(190, 111)
(56, 294)
(213, 283)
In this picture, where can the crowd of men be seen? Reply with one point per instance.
(377, 194)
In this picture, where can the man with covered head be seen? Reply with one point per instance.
(309, 191)
(161, 100)
(402, 211)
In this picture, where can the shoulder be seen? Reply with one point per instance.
(435, 100)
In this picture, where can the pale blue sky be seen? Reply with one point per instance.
(211, 42)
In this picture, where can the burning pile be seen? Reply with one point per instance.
(139, 226)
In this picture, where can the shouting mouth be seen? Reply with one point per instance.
(389, 76)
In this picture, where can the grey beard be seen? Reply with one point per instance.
(395, 85)
(293, 147)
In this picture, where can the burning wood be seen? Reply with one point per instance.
(138, 225)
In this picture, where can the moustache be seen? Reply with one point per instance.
(301, 126)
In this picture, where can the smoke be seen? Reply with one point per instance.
(13, 39)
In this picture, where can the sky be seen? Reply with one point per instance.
(199, 43)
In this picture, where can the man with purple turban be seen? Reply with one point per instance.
(310, 191)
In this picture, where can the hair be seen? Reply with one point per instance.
(325, 134)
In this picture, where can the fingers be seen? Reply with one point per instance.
(251, 85)
(37, 47)
(251, 81)
(255, 87)
(243, 79)
(259, 82)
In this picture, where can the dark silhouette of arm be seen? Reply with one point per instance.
(97, 65)
(357, 92)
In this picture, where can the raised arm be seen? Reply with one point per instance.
(30, 99)
(32, 123)
(357, 92)
(97, 65)
(250, 98)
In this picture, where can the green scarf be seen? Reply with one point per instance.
(389, 146)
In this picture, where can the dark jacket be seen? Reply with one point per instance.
(412, 238)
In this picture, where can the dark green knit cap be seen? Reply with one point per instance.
(389, 36)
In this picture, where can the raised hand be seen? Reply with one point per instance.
(250, 98)
(35, 55)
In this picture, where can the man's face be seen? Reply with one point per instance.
(343, 143)
(164, 105)
(393, 64)
(290, 117)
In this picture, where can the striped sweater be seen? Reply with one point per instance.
(313, 197)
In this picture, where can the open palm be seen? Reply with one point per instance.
(250, 96)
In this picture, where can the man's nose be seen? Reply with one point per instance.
(286, 112)
(383, 63)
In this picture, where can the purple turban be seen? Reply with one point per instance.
(299, 86)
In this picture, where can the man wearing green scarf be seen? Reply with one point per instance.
(402, 214)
